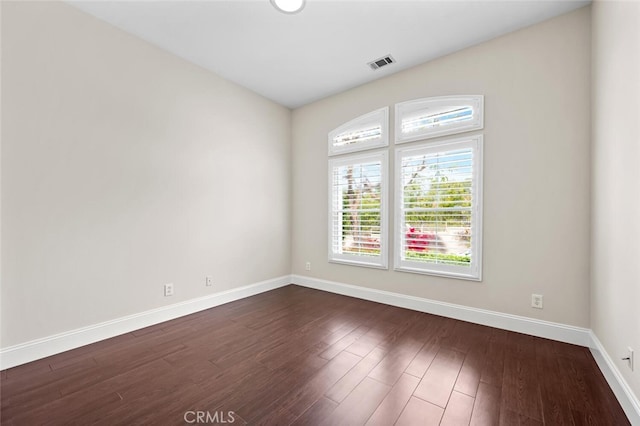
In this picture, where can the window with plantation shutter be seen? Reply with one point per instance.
(438, 208)
(357, 213)
(438, 116)
(365, 132)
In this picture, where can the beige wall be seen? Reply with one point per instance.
(536, 84)
(615, 265)
(124, 168)
(120, 172)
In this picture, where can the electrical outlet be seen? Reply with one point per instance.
(168, 289)
(307, 266)
(208, 281)
(536, 301)
(629, 358)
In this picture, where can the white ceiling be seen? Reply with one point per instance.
(297, 59)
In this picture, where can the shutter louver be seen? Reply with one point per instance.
(438, 116)
(365, 132)
(357, 188)
(437, 208)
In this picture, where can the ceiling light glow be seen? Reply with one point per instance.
(288, 6)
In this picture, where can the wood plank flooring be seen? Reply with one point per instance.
(300, 356)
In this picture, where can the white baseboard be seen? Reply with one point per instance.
(628, 400)
(41, 348)
(51, 345)
(550, 330)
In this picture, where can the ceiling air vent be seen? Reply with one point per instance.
(379, 63)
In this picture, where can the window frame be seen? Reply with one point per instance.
(381, 261)
(474, 271)
(409, 107)
(380, 116)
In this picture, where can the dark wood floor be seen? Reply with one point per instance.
(306, 357)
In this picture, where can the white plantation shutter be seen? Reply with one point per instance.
(361, 134)
(438, 188)
(438, 116)
(438, 208)
(357, 213)
(365, 132)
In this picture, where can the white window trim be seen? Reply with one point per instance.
(380, 262)
(474, 271)
(380, 116)
(404, 108)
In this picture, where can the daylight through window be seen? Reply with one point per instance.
(357, 227)
(438, 215)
